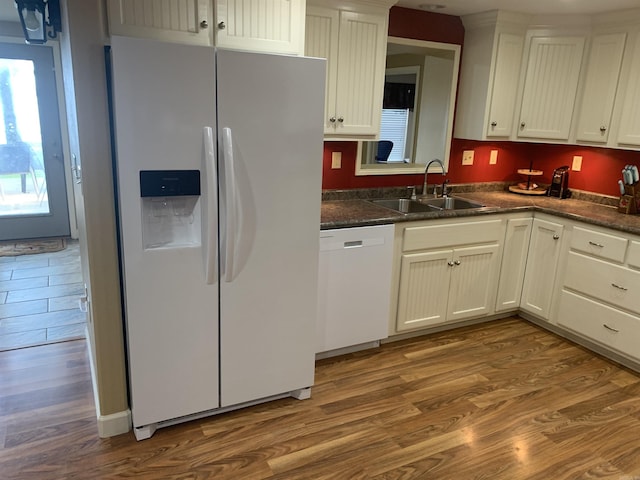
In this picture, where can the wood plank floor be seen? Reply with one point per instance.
(503, 400)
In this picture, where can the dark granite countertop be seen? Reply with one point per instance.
(355, 212)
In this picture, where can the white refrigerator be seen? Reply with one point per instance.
(218, 157)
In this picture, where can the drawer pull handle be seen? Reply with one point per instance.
(596, 244)
(619, 287)
(611, 329)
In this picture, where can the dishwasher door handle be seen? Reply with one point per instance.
(353, 244)
(331, 243)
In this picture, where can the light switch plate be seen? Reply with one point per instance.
(336, 160)
(577, 163)
(467, 157)
(493, 158)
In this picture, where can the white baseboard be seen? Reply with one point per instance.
(114, 424)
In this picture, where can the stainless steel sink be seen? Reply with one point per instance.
(451, 203)
(405, 205)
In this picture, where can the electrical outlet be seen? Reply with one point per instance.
(493, 158)
(336, 160)
(467, 157)
(577, 163)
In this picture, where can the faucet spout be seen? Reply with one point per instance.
(426, 173)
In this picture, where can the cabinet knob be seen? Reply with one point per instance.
(494, 124)
(522, 124)
(221, 26)
(603, 129)
(204, 24)
(556, 236)
(456, 262)
(340, 119)
(332, 119)
(450, 263)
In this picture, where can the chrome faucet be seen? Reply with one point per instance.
(426, 172)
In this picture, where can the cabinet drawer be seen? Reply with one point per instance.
(599, 244)
(634, 254)
(610, 283)
(439, 236)
(608, 326)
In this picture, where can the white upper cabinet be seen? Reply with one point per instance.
(261, 26)
(275, 26)
(505, 85)
(181, 21)
(601, 84)
(354, 43)
(629, 129)
(550, 87)
(490, 74)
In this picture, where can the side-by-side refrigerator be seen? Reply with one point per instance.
(219, 158)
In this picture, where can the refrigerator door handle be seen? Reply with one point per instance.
(232, 211)
(210, 224)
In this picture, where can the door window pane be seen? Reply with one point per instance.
(23, 188)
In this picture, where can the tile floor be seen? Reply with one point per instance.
(39, 298)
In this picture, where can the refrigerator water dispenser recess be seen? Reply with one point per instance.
(171, 215)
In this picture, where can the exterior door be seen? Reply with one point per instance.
(33, 198)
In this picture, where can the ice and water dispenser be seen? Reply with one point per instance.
(171, 214)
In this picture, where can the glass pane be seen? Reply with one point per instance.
(23, 186)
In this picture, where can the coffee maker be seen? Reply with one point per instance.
(559, 183)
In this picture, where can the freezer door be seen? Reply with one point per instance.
(270, 119)
(165, 121)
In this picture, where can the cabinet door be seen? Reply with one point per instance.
(275, 26)
(472, 291)
(321, 40)
(514, 261)
(361, 66)
(600, 88)
(550, 87)
(424, 289)
(505, 85)
(180, 21)
(629, 131)
(539, 278)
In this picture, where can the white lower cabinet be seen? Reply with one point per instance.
(448, 272)
(610, 327)
(539, 279)
(600, 298)
(514, 262)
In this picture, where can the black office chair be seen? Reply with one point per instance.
(384, 150)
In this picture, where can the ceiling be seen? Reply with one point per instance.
(463, 7)
(8, 12)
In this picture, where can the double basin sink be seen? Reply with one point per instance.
(406, 205)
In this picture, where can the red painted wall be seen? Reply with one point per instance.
(600, 172)
(436, 27)
(601, 167)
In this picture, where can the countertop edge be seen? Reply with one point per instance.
(360, 213)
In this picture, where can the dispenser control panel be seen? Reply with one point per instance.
(169, 183)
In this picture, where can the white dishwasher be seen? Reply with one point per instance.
(354, 286)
